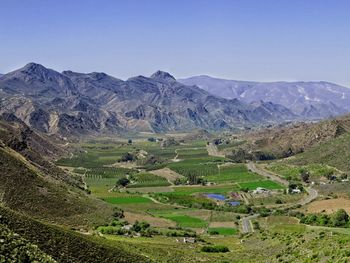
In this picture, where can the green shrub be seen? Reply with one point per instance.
(215, 249)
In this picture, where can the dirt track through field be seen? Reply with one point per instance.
(251, 166)
(154, 221)
(213, 150)
(167, 173)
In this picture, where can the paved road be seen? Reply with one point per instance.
(247, 224)
(213, 150)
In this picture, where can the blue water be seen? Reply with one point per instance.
(235, 203)
(216, 196)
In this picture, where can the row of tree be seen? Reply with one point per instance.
(337, 219)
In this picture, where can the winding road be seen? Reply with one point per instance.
(312, 195)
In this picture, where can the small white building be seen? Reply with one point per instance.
(127, 227)
(296, 191)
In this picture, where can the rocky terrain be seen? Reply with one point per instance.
(296, 138)
(71, 103)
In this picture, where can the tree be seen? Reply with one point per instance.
(123, 182)
(140, 226)
(129, 141)
(118, 213)
(340, 218)
(305, 176)
(256, 225)
(323, 220)
(127, 157)
(217, 141)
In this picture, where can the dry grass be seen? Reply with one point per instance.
(154, 221)
(329, 206)
(167, 173)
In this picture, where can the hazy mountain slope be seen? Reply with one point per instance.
(311, 100)
(33, 185)
(71, 103)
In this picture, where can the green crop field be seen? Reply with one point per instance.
(225, 231)
(198, 167)
(186, 221)
(192, 153)
(148, 180)
(222, 189)
(95, 155)
(108, 172)
(127, 200)
(264, 184)
(233, 173)
(98, 185)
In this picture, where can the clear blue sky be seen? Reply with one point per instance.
(238, 39)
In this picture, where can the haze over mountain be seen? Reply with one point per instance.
(310, 100)
(77, 103)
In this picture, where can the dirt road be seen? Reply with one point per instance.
(251, 166)
(247, 225)
(213, 150)
(312, 193)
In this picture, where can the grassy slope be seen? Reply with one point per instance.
(65, 245)
(17, 249)
(24, 188)
(335, 152)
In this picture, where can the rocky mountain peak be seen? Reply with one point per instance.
(162, 76)
(34, 71)
(98, 75)
(33, 68)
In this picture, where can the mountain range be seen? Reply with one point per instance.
(309, 100)
(71, 103)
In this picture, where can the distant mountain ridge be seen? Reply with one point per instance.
(309, 100)
(71, 103)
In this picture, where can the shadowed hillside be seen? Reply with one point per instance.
(30, 183)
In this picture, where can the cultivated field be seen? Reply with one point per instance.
(183, 192)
